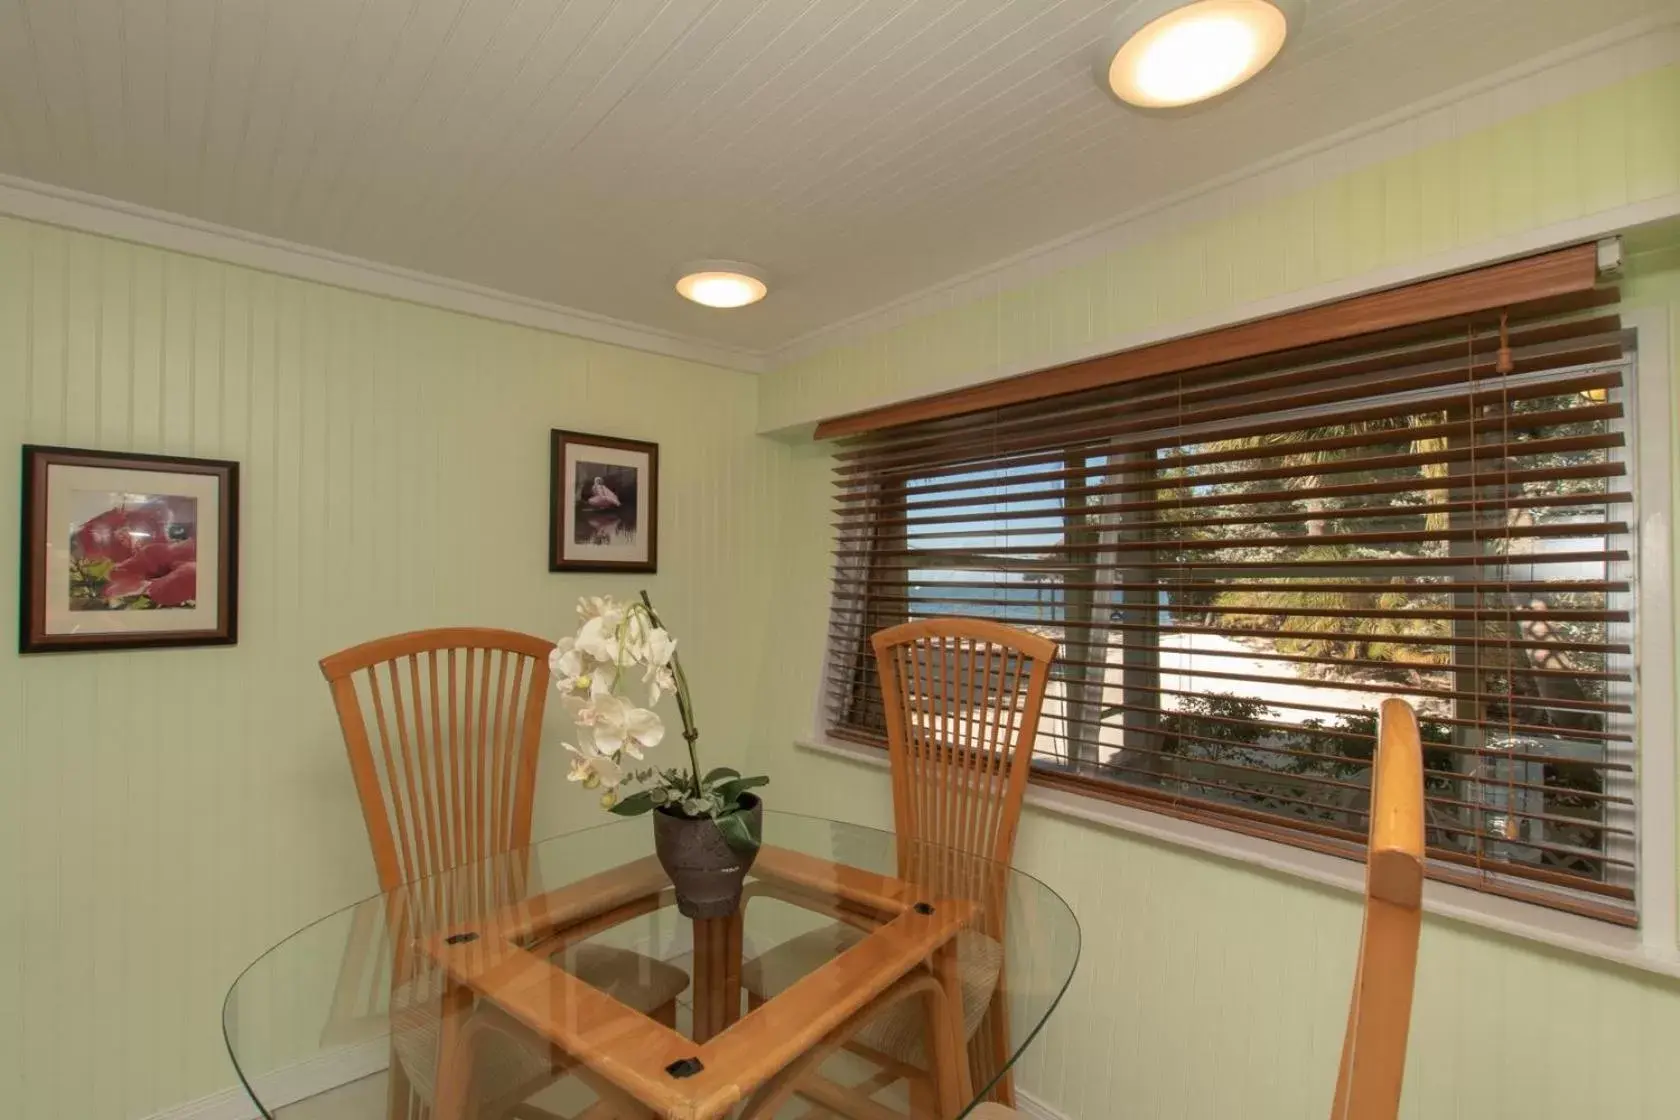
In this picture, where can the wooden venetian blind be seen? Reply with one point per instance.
(1241, 560)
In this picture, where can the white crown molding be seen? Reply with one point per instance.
(1593, 63)
(1590, 64)
(60, 206)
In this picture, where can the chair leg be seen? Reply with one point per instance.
(998, 1032)
(665, 1014)
(399, 1094)
(452, 1100)
(924, 1099)
(948, 1052)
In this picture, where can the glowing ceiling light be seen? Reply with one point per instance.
(722, 284)
(1169, 53)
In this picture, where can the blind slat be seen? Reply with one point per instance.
(1239, 562)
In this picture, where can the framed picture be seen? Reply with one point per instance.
(124, 551)
(603, 513)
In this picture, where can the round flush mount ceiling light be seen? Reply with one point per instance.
(1169, 53)
(722, 284)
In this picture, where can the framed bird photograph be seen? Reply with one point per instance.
(603, 513)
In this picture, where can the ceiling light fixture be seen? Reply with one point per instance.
(722, 284)
(1169, 53)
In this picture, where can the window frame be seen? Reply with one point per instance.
(1654, 944)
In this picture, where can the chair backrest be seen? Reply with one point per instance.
(457, 714)
(962, 699)
(1379, 1017)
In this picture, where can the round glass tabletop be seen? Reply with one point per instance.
(562, 980)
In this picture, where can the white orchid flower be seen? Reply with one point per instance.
(593, 606)
(663, 681)
(661, 647)
(598, 638)
(621, 726)
(601, 681)
(634, 634)
(593, 769)
(570, 669)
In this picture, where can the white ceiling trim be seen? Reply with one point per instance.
(59, 206)
(1590, 64)
(1593, 63)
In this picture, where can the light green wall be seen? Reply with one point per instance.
(1207, 987)
(1191, 960)
(1586, 155)
(165, 816)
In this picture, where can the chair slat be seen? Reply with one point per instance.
(452, 778)
(961, 699)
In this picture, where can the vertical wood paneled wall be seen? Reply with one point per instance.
(1207, 987)
(167, 815)
(1459, 185)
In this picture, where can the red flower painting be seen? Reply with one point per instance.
(138, 553)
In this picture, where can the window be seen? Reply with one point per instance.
(1240, 561)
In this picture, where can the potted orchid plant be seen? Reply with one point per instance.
(706, 824)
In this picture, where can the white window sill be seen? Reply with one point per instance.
(1570, 932)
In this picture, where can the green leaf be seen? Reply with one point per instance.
(731, 791)
(738, 832)
(719, 774)
(635, 805)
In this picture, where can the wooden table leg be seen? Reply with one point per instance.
(952, 1088)
(717, 975)
(452, 1098)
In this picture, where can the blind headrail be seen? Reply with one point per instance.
(1558, 273)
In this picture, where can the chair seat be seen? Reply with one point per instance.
(510, 1065)
(900, 1032)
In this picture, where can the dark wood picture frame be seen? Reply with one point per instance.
(38, 463)
(562, 553)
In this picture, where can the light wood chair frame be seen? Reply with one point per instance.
(402, 854)
(956, 795)
(1369, 1080)
(482, 827)
(1373, 1063)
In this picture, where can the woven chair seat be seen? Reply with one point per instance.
(900, 1032)
(509, 1065)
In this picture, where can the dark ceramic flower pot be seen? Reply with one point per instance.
(706, 872)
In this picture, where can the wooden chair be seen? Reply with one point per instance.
(1379, 1017)
(447, 798)
(1374, 1049)
(962, 700)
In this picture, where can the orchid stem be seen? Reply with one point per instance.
(685, 708)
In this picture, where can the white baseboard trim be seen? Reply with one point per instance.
(339, 1067)
(1029, 1105)
(289, 1084)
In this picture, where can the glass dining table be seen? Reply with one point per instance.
(859, 976)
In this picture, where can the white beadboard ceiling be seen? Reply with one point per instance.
(578, 151)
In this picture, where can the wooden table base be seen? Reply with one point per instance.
(717, 975)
